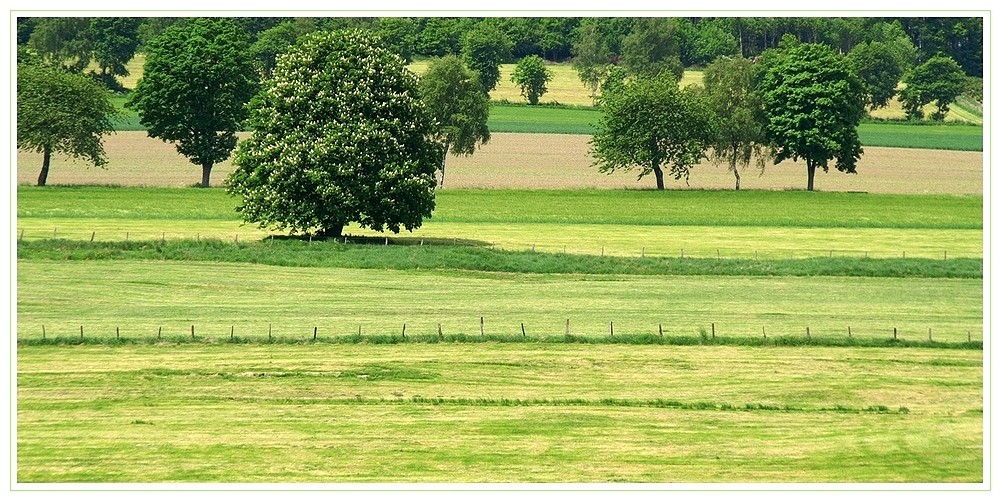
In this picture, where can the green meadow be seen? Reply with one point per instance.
(498, 413)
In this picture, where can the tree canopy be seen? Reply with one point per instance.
(939, 80)
(196, 82)
(737, 106)
(652, 48)
(880, 70)
(61, 112)
(455, 99)
(813, 103)
(114, 42)
(340, 135)
(532, 77)
(591, 57)
(650, 123)
(484, 48)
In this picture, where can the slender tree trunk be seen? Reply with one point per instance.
(206, 173)
(735, 168)
(736, 172)
(444, 159)
(658, 172)
(811, 168)
(46, 160)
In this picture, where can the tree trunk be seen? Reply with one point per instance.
(206, 173)
(811, 168)
(46, 160)
(736, 172)
(735, 168)
(332, 232)
(658, 172)
(444, 159)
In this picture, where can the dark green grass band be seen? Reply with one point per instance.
(329, 254)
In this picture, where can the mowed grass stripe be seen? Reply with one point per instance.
(593, 206)
(367, 413)
(138, 298)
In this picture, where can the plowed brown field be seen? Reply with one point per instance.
(546, 161)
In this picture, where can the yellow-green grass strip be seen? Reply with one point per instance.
(498, 413)
(136, 299)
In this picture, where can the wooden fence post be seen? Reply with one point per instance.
(232, 331)
(192, 331)
(482, 329)
(522, 330)
(117, 333)
(763, 331)
(893, 333)
(808, 336)
(92, 234)
(81, 331)
(612, 328)
(404, 330)
(315, 328)
(268, 331)
(661, 329)
(440, 333)
(159, 333)
(567, 326)
(848, 331)
(713, 330)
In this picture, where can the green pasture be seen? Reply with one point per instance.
(139, 297)
(503, 413)
(712, 224)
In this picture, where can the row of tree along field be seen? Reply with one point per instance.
(343, 132)
(697, 41)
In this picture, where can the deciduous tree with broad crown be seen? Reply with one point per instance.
(532, 77)
(61, 112)
(340, 136)
(813, 102)
(650, 123)
(195, 85)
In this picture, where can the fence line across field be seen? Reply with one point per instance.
(703, 332)
(414, 241)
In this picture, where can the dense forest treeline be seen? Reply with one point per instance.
(699, 40)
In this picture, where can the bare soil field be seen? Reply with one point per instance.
(546, 161)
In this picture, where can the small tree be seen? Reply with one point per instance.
(737, 107)
(484, 48)
(63, 42)
(60, 112)
(196, 82)
(340, 135)
(114, 41)
(939, 80)
(591, 57)
(531, 76)
(455, 99)
(651, 123)
(813, 103)
(880, 69)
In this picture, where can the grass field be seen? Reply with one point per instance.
(806, 337)
(622, 223)
(497, 413)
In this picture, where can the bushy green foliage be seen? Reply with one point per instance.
(484, 48)
(62, 42)
(879, 69)
(340, 135)
(652, 48)
(649, 124)
(196, 82)
(61, 112)
(531, 76)
(276, 40)
(939, 80)
(813, 102)
(591, 57)
(739, 111)
(114, 42)
(455, 99)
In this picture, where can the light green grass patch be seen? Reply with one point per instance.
(498, 413)
(139, 298)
